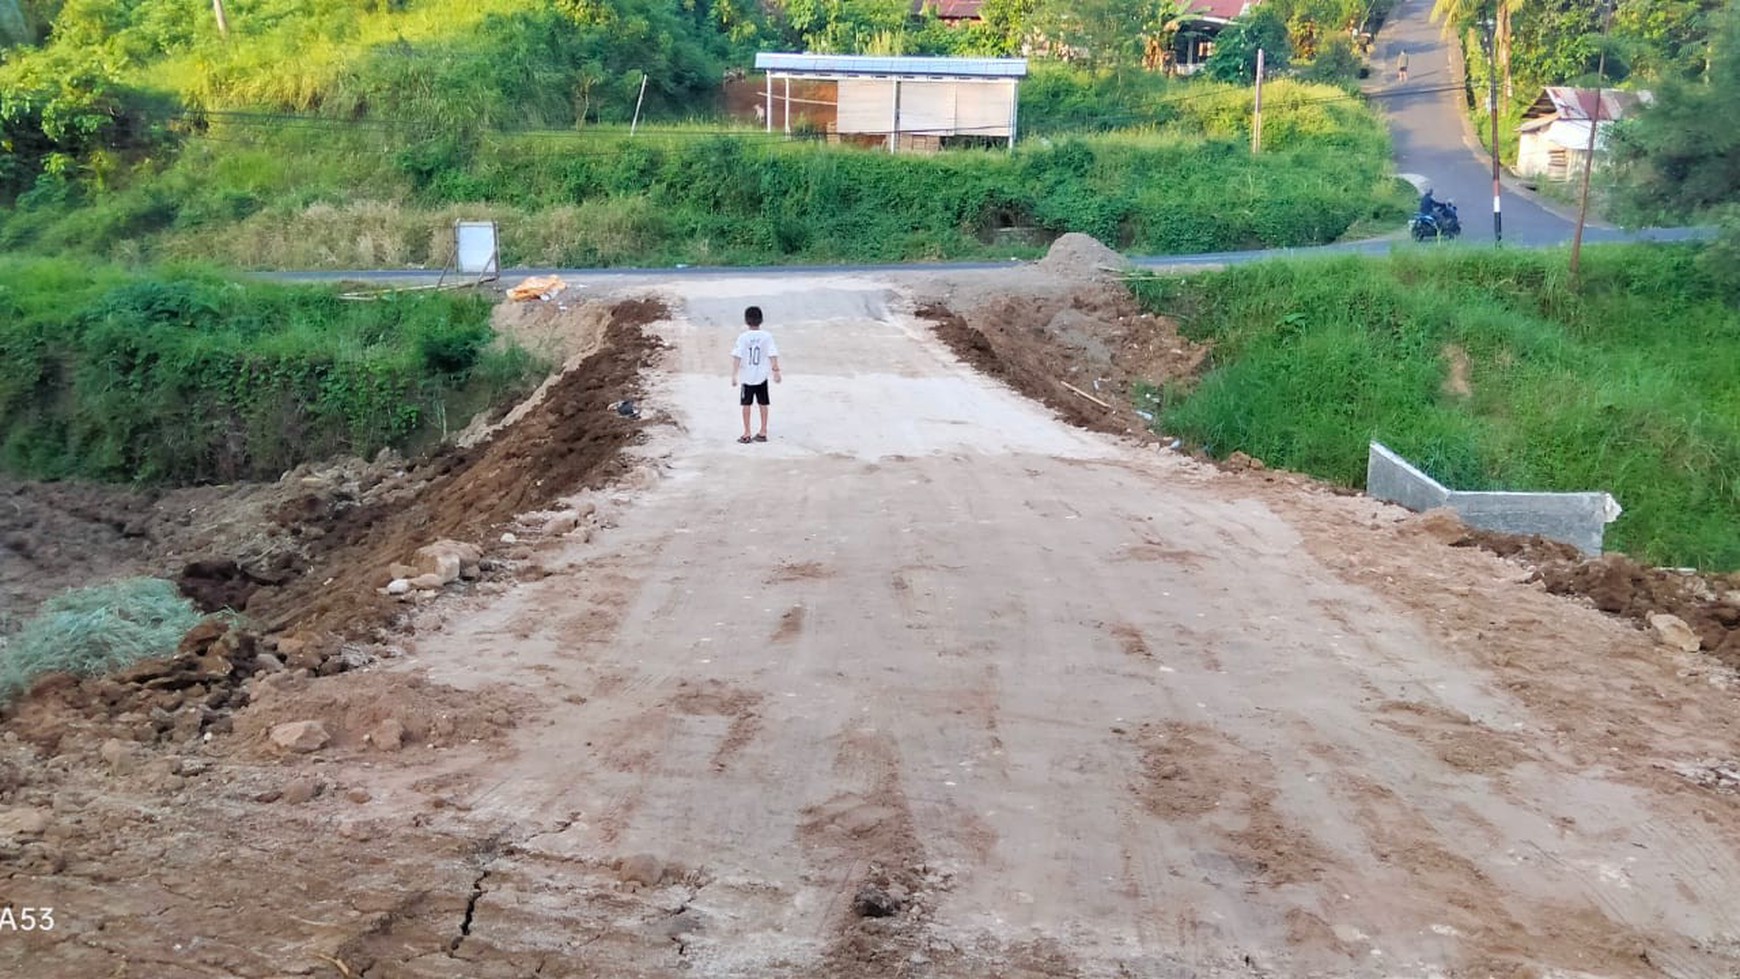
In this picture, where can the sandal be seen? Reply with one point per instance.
(761, 438)
(744, 439)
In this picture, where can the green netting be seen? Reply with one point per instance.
(88, 631)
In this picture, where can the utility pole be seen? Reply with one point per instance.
(223, 23)
(1589, 151)
(1257, 111)
(1492, 102)
(632, 126)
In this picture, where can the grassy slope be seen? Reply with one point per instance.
(1625, 384)
(352, 197)
(412, 124)
(187, 376)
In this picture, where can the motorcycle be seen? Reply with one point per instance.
(1442, 223)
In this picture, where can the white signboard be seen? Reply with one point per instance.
(475, 248)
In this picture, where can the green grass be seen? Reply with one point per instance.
(332, 135)
(1624, 383)
(185, 375)
(90, 631)
(347, 197)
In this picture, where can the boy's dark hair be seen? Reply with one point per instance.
(752, 316)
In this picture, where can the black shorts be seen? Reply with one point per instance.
(753, 394)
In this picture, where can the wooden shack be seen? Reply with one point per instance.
(913, 103)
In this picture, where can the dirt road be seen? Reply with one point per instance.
(933, 684)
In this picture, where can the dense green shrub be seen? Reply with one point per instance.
(1623, 383)
(191, 377)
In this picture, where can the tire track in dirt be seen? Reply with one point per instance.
(1496, 937)
(1130, 640)
(712, 698)
(1455, 738)
(865, 844)
(791, 625)
(1195, 774)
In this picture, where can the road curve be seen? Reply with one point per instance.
(1376, 246)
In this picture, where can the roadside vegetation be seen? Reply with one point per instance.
(320, 138)
(343, 196)
(189, 376)
(1629, 44)
(1491, 370)
(1680, 160)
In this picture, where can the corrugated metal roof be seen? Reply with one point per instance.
(950, 9)
(1564, 102)
(858, 64)
(1215, 9)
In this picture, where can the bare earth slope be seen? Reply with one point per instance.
(934, 684)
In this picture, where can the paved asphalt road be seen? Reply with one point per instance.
(1381, 246)
(1427, 129)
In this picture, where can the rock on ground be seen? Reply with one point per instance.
(300, 790)
(642, 868)
(388, 735)
(448, 559)
(1442, 524)
(301, 736)
(1673, 630)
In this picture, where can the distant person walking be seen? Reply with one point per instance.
(1402, 67)
(753, 358)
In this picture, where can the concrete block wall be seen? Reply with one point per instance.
(1578, 519)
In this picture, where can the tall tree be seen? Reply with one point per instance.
(1667, 38)
(1008, 22)
(1235, 51)
(1681, 156)
(1463, 15)
(1103, 33)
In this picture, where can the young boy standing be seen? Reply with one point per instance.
(754, 357)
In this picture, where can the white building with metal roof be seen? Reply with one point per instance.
(912, 103)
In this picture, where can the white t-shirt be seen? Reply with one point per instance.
(753, 350)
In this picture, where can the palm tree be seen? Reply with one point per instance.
(1467, 13)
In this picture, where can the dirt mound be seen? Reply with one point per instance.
(558, 330)
(355, 712)
(307, 569)
(569, 441)
(170, 700)
(220, 543)
(1080, 256)
(1621, 586)
(1095, 340)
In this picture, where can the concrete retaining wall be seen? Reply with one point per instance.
(1578, 519)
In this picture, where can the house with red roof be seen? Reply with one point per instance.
(1198, 26)
(951, 12)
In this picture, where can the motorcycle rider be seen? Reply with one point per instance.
(1429, 204)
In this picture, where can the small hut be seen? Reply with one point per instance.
(922, 104)
(1554, 136)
